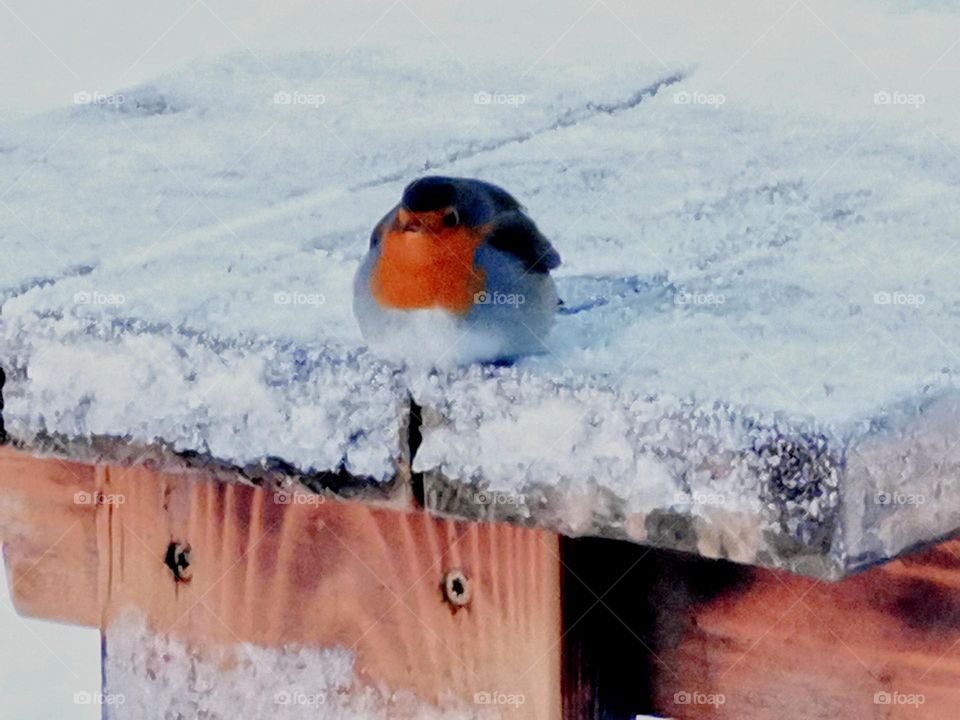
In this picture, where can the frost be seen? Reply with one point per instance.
(149, 675)
(757, 251)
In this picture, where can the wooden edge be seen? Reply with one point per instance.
(48, 512)
(709, 639)
(216, 566)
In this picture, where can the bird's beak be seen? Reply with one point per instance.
(407, 221)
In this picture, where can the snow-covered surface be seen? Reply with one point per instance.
(755, 206)
(151, 675)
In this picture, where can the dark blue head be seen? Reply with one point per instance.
(473, 202)
(444, 206)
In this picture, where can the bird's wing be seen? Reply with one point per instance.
(516, 234)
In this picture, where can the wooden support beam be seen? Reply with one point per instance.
(212, 567)
(882, 644)
(218, 573)
(710, 639)
(48, 526)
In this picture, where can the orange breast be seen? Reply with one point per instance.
(427, 269)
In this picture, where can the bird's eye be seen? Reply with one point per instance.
(451, 218)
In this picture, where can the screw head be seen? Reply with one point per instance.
(456, 587)
(178, 560)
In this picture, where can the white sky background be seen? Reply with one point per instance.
(43, 666)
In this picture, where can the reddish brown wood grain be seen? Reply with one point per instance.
(48, 515)
(275, 569)
(673, 635)
(882, 644)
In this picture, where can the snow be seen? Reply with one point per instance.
(151, 675)
(754, 207)
(237, 403)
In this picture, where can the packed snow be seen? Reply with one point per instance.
(148, 675)
(754, 205)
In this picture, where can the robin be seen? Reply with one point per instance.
(456, 273)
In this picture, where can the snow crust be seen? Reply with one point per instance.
(755, 207)
(150, 675)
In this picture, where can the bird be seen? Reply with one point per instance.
(455, 274)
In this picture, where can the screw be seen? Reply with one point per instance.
(456, 587)
(178, 560)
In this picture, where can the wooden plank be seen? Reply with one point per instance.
(704, 639)
(280, 569)
(883, 644)
(48, 512)
(622, 605)
(714, 639)
(606, 671)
